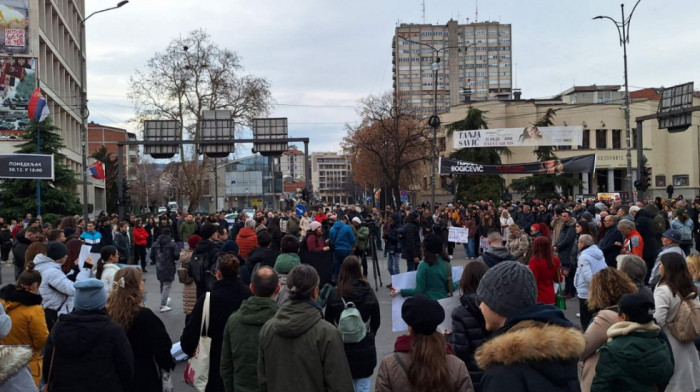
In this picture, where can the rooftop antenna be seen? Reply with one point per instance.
(423, 13)
(476, 15)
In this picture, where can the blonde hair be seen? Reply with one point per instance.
(607, 287)
(694, 266)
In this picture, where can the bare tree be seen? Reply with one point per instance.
(194, 74)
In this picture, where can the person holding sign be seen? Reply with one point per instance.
(434, 275)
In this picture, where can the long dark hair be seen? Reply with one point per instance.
(676, 275)
(350, 271)
(106, 252)
(428, 369)
(473, 272)
(542, 249)
(585, 229)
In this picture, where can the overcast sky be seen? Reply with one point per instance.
(322, 56)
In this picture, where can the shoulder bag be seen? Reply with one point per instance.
(197, 369)
(559, 299)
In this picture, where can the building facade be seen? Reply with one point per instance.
(293, 165)
(475, 64)
(252, 181)
(330, 177)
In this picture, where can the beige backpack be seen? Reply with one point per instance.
(686, 325)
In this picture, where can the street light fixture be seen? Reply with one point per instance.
(83, 105)
(623, 31)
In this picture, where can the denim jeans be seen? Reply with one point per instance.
(362, 384)
(469, 248)
(165, 292)
(392, 262)
(338, 256)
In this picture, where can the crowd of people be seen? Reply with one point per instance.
(247, 287)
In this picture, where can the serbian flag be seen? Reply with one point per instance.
(97, 170)
(38, 109)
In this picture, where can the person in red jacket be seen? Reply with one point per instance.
(247, 240)
(140, 240)
(545, 266)
(634, 244)
(320, 217)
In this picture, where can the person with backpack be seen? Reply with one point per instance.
(204, 257)
(670, 296)
(353, 307)
(165, 254)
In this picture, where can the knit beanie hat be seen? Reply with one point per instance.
(508, 288)
(207, 231)
(56, 250)
(432, 243)
(193, 241)
(230, 246)
(315, 225)
(638, 308)
(90, 295)
(422, 314)
(5, 322)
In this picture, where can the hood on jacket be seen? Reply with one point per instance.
(164, 240)
(640, 351)
(246, 232)
(15, 298)
(643, 213)
(14, 358)
(205, 246)
(571, 223)
(468, 301)
(594, 252)
(78, 333)
(338, 225)
(652, 209)
(295, 318)
(500, 252)
(42, 262)
(257, 310)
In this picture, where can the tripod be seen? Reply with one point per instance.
(375, 262)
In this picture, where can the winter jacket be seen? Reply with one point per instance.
(645, 226)
(121, 242)
(341, 236)
(393, 378)
(546, 277)
(14, 372)
(297, 344)
(655, 276)
(390, 235)
(686, 228)
(140, 236)
(536, 350)
(19, 250)
(208, 250)
(590, 261)
(264, 256)
(107, 276)
(468, 334)
(362, 237)
(151, 230)
(92, 354)
(431, 280)
(607, 245)
(525, 221)
(165, 253)
(247, 240)
(634, 244)
(151, 345)
(566, 242)
(314, 243)
(56, 289)
(495, 255)
(186, 230)
(285, 262)
(361, 356)
(239, 354)
(189, 290)
(635, 359)
(658, 220)
(596, 335)
(412, 246)
(226, 297)
(106, 233)
(518, 246)
(93, 239)
(28, 324)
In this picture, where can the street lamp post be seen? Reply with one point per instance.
(83, 105)
(623, 31)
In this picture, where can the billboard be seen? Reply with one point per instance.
(519, 137)
(17, 83)
(14, 26)
(579, 164)
(26, 166)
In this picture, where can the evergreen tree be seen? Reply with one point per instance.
(544, 186)
(57, 195)
(111, 176)
(478, 187)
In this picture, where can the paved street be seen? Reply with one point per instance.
(175, 320)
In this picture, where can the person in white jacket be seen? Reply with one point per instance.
(590, 261)
(107, 266)
(56, 289)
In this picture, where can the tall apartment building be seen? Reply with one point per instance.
(475, 64)
(330, 176)
(292, 164)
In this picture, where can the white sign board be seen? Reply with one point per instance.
(458, 234)
(517, 137)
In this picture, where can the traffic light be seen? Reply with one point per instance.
(646, 178)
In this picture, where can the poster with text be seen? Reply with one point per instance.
(579, 164)
(519, 137)
(14, 26)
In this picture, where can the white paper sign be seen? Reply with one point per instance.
(449, 304)
(458, 234)
(84, 253)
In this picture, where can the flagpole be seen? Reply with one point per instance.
(38, 182)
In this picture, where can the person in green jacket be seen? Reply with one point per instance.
(432, 276)
(635, 358)
(361, 235)
(187, 228)
(299, 351)
(239, 353)
(289, 258)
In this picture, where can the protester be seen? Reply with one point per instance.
(354, 288)
(247, 239)
(564, 244)
(362, 243)
(297, 344)
(434, 275)
(289, 258)
(121, 241)
(107, 266)
(226, 297)
(392, 246)
(546, 269)
(684, 225)
(506, 221)
(140, 239)
(607, 287)
(22, 240)
(189, 288)
(496, 252)
(636, 269)
(676, 284)
(670, 240)
(314, 238)
(165, 254)
(633, 244)
(343, 241)
(146, 332)
(468, 325)
(207, 249)
(694, 268)
(533, 347)
(635, 357)
(92, 238)
(422, 361)
(612, 237)
(262, 255)
(15, 375)
(86, 351)
(518, 243)
(590, 261)
(56, 289)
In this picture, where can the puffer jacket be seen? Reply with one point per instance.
(14, 372)
(28, 324)
(518, 246)
(596, 335)
(107, 276)
(341, 236)
(189, 290)
(658, 220)
(140, 236)
(362, 356)
(56, 289)
(247, 240)
(165, 253)
(468, 334)
(590, 261)
(566, 242)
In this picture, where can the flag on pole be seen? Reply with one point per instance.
(38, 109)
(97, 171)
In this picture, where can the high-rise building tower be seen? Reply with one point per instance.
(475, 64)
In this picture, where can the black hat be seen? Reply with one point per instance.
(638, 307)
(56, 250)
(432, 243)
(422, 314)
(207, 231)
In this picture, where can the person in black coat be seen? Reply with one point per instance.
(207, 249)
(644, 223)
(412, 246)
(105, 229)
(352, 287)
(226, 297)
(612, 236)
(262, 254)
(146, 332)
(88, 351)
(468, 325)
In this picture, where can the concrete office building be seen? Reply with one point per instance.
(292, 164)
(330, 174)
(476, 64)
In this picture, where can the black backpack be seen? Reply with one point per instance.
(197, 267)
